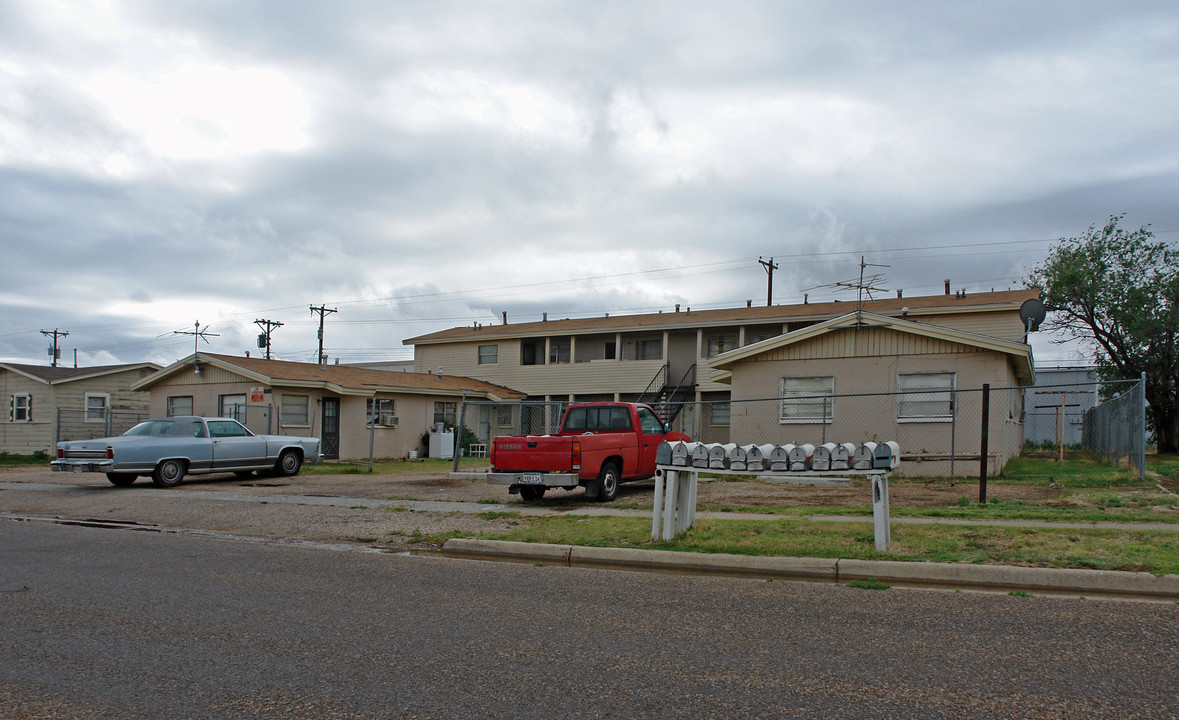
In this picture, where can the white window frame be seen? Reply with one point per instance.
(719, 344)
(937, 387)
(171, 409)
(381, 406)
(294, 402)
(445, 411)
(560, 352)
(805, 393)
(643, 349)
(488, 354)
(22, 412)
(101, 411)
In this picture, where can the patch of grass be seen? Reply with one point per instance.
(37, 458)
(1019, 593)
(869, 584)
(380, 467)
(366, 539)
(498, 515)
(1079, 469)
(1140, 551)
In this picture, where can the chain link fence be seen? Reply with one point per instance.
(90, 424)
(1115, 430)
(942, 432)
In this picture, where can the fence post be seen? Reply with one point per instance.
(458, 431)
(1142, 428)
(953, 428)
(986, 432)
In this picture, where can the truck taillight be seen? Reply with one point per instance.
(492, 455)
(110, 453)
(575, 461)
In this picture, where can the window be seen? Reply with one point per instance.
(649, 350)
(649, 422)
(756, 337)
(294, 409)
(22, 407)
(227, 428)
(180, 405)
(807, 399)
(611, 351)
(597, 418)
(720, 413)
(718, 344)
(446, 412)
(96, 405)
(925, 397)
(385, 409)
(233, 406)
(559, 351)
(488, 354)
(503, 415)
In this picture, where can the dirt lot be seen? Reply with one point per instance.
(350, 508)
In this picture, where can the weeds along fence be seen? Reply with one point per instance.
(942, 431)
(1115, 430)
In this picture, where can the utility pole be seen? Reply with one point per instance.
(770, 267)
(55, 352)
(322, 311)
(268, 326)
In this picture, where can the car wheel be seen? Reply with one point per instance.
(168, 473)
(608, 483)
(532, 493)
(121, 479)
(288, 463)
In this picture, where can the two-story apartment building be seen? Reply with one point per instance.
(622, 356)
(671, 354)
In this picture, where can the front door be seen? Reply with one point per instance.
(330, 439)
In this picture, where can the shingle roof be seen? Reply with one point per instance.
(50, 375)
(816, 312)
(345, 377)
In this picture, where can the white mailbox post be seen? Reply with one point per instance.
(676, 481)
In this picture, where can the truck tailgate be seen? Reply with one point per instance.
(534, 453)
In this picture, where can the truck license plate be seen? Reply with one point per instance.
(532, 479)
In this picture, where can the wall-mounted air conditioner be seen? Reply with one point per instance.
(389, 419)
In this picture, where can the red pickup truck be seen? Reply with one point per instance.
(600, 445)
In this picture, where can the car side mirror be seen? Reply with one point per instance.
(666, 427)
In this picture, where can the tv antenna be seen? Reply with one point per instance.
(198, 333)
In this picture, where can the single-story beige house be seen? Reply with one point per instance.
(46, 404)
(346, 406)
(864, 376)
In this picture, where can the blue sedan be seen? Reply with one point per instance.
(166, 449)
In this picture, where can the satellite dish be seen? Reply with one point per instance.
(1032, 313)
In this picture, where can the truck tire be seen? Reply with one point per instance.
(532, 493)
(608, 480)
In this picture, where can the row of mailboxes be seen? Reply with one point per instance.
(780, 458)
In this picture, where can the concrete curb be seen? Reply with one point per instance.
(943, 575)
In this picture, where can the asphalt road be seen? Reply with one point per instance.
(102, 623)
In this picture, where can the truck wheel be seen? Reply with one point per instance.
(531, 493)
(608, 483)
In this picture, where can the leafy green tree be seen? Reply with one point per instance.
(1119, 289)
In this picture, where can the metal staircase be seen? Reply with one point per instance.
(670, 397)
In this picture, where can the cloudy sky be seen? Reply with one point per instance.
(422, 165)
